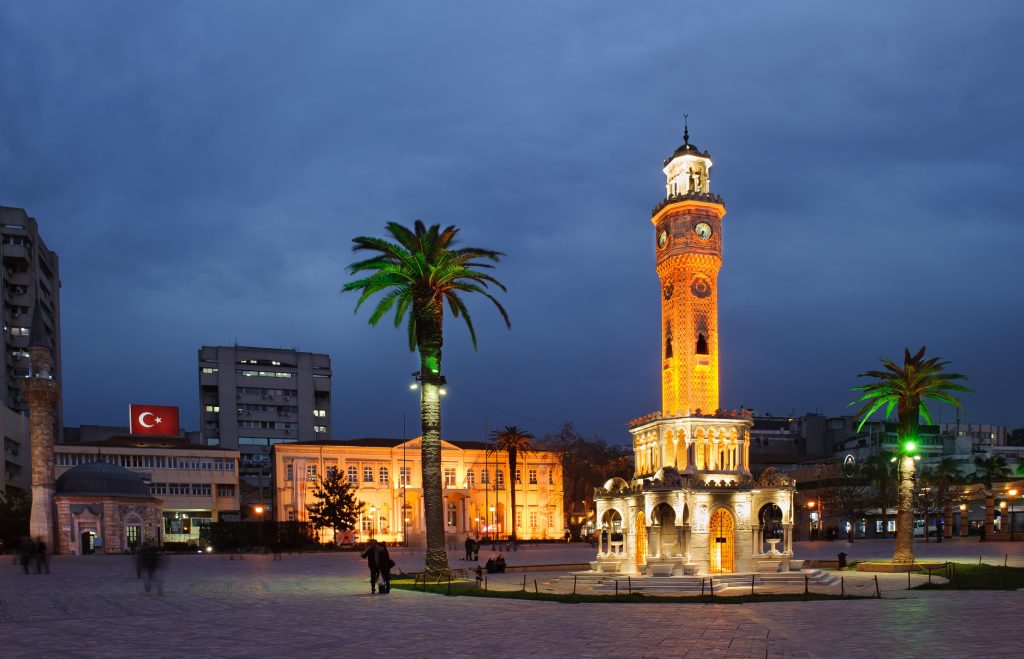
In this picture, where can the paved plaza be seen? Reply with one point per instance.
(318, 605)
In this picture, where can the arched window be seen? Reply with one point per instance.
(367, 474)
(384, 475)
(668, 341)
(702, 344)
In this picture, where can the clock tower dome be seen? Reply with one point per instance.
(688, 239)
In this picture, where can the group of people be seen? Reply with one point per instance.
(379, 561)
(495, 565)
(472, 549)
(33, 550)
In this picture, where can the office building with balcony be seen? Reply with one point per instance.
(29, 279)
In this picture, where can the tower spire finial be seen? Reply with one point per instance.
(686, 129)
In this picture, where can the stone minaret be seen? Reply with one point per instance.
(42, 392)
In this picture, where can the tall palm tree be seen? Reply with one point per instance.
(905, 389)
(418, 271)
(515, 442)
(987, 471)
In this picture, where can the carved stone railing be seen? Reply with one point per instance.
(695, 196)
(718, 414)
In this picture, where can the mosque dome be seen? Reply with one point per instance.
(101, 479)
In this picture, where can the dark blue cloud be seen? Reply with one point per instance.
(202, 169)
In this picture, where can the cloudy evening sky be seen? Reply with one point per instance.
(201, 169)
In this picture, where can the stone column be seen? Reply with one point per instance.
(42, 392)
(679, 541)
(787, 534)
(758, 539)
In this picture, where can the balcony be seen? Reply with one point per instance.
(708, 197)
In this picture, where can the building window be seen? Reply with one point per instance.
(200, 489)
(289, 471)
(212, 408)
(499, 477)
(551, 476)
(519, 476)
(311, 472)
(405, 476)
(384, 475)
(332, 471)
(225, 490)
(469, 478)
(208, 371)
(353, 475)
(484, 480)
(320, 413)
(147, 461)
(366, 523)
(367, 474)
(291, 514)
(519, 517)
(533, 519)
(319, 428)
(452, 513)
(533, 476)
(449, 477)
(702, 344)
(19, 331)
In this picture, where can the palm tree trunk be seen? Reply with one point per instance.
(513, 459)
(906, 431)
(947, 518)
(428, 331)
(904, 552)
(990, 513)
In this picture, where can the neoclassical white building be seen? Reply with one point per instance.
(692, 506)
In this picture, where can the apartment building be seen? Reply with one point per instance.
(30, 280)
(197, 484)
(251, 399)
(387, 475)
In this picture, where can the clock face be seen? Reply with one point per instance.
(703, 230)
(662, 239)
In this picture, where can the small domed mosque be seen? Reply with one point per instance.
(692, 506)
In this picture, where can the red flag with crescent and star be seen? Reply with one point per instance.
(153, 419)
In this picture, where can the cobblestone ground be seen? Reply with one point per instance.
(319, 605)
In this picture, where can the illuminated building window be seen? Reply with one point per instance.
(320, 413)
(384, 475)
(551, 476)
(499, 476)
(469, 478)
(367, 474)
(353, 475)
(366, 524)
(519, 476)
(484, 479)
(311, 472)
(449, 477)
(533, 519)
(533, 477)
(452, 513)
(405, 474)
(668, 341)
(291, 514)
(332, 471)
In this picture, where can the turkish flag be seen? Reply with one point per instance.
(153, 419)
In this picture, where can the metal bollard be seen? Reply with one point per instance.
(878, 592)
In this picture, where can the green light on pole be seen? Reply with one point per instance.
(910, 446)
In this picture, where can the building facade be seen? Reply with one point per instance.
(251, 399)
(196, 485)
(30, 278)
(387, 474)
(692, 506)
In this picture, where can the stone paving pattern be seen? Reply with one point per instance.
(317, 605)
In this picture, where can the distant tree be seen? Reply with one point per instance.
(514, 441)
(586, 463)
(880, 472)
(904, 389)
(946, 481)
(336, 506)
(987, 471)
(14, 513)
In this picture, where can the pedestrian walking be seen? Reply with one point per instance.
(26, 550)
(469, 548)
(151, 561)
(42, 560)
(372, 555)
(476, 550)
(384, 564)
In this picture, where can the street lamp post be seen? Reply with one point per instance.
(373, 520)
(1012, 493)
(492, 524)
(963, 520)
(259, 529)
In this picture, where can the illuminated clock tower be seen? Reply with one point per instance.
(688, 235)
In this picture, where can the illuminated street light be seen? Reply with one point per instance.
(1012, 493)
